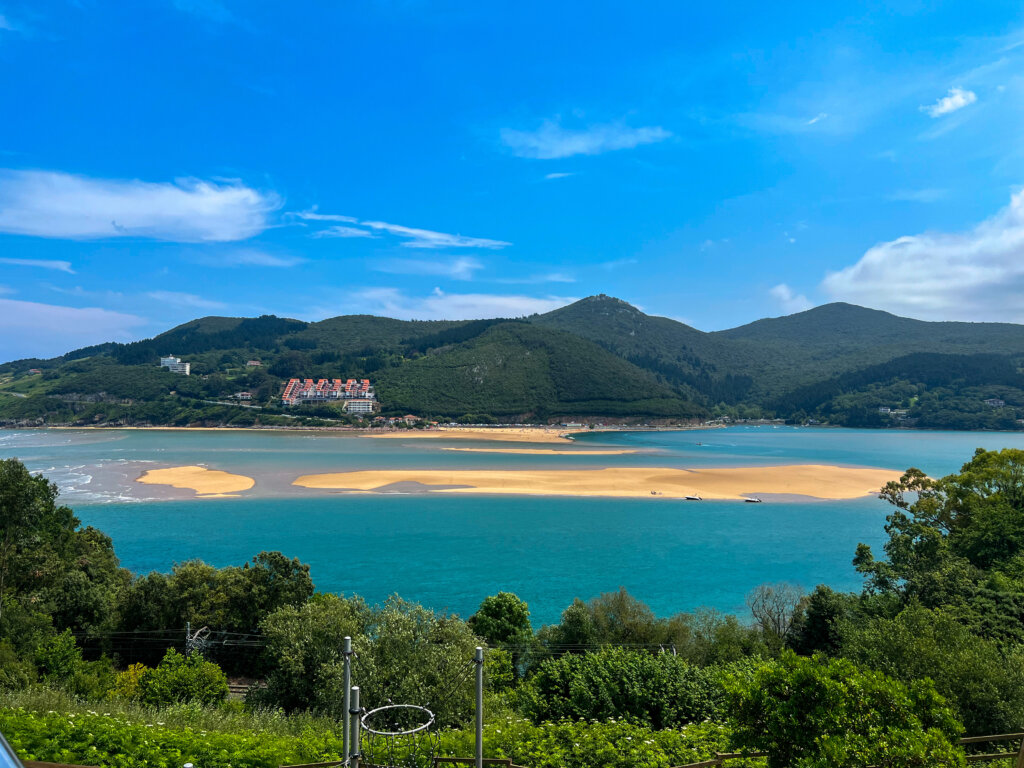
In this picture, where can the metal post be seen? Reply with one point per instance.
(353, 754)
(347, 703)
(479, 661)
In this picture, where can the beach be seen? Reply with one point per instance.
(815, 481)
(205, 482)
(550, 451)
(505, 434)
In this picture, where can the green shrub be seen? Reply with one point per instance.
(121, 741)
(183, 678)
(15, 673)
(60, 663)
(659, 691)
(821, 713)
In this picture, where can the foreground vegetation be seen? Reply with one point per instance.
(93, 667)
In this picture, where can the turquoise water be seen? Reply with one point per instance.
(450, 552)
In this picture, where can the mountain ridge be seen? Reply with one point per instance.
(567, 362)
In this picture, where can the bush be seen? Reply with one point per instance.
(15, 673)
(60, 663)
(818, 713)
(127, 684)
(659, 691)
(183, 679)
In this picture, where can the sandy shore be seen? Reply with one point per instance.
(809, 480)
(205, 482)
(548, 451)
(509, 434)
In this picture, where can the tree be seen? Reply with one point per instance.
(26, 501)
(60, 574)
(816, 624)
(984, 682)
(773, 607)
(958, 542)
(820, 713)
(502, 619)
(304, 646)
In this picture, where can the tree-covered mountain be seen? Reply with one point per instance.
(599, 358)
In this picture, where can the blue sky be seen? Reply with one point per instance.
(167, 159)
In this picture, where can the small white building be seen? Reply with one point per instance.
(360, 405)
(174, 365)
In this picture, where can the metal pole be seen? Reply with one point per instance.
(347, 696)
(354, 741)
(479, 661)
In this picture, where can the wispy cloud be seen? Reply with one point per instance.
(6, 290)
(312, 215)
(457, 269)
(31, 329)
(550, 277)
(790, 300)
(250, 257)
(957, 98)
(61, 205)
(343, 231)
(817, 118)
(616, 263)
(6, 25)
(184, 300)
(553, 176)
(551, 141)
(391, 302)
(60, 266)
(425, 238)
(412, 237)
(973, 275)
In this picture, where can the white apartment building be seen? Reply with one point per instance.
(174, 365)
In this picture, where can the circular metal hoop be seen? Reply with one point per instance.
(378, 710)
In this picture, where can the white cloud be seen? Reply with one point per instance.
(957, 98)
(391, 302)
(789, 300)
(817, 118)
(312, 215)
(553, 176)
(30, 329)
(60, 266)
(184, 300)
(341, 231)
(974, 275)
(552, 141)
(457, 269)
(425, 238)
(5, 25)
(61, 205)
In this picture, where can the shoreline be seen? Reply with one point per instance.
(207, 483)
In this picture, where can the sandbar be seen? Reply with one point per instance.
(509, 434)
(817, 481)
(548, 451)
(205, 482)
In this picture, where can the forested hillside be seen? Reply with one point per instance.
(597, 359)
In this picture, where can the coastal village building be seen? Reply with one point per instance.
(359, 406)
(174, 365)
(324, 390)
(253, 364)
(995, 402)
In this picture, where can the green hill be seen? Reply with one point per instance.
(599, 357)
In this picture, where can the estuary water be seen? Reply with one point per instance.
(449, 552)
